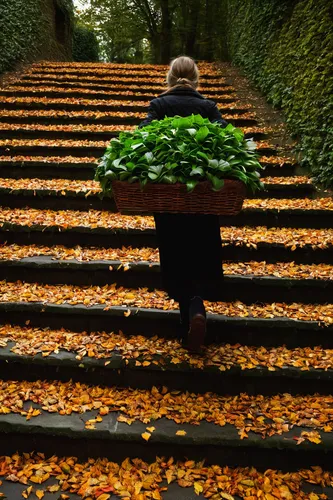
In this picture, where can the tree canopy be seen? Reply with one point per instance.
(153, 30)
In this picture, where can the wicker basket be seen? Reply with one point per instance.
(174, 198)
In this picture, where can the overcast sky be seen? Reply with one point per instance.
(81, 3)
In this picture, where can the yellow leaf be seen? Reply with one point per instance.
(27, 492)
(150, 429)
(127, 313)
(146, 436)
(105, 496)
(169, 475)
(54, 488)
(40, 494)
(198, 488)
(65, 468)
(227, 496)
(247, 482)
(181, 433)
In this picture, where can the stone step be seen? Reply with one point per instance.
(210, 478)
(71, 228)
(275, 213)
(111, 308)
(120, 91)
(91, 127)
(140, 362)
(140, 82)
(243, 119)
(241, 432)
(267, 288)
(66, 90)
(115, 71)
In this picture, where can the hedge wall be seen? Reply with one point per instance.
(28, 31)
(85, 45)
(286, 48)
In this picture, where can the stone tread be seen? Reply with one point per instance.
(131, 300)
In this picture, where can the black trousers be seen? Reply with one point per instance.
(190, 256)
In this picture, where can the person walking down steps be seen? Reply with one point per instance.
(190, 245)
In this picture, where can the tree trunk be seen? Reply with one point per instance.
(165, 40)
(209, 31)
(155, 43)
(192, 28)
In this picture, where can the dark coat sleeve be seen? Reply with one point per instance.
(215, 115)
(152, 114)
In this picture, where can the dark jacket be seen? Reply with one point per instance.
(182, 101)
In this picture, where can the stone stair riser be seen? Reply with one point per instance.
(63, 436)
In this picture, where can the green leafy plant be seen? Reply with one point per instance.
(185, 150)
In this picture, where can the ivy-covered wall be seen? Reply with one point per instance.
(34, 29)
(286, 48)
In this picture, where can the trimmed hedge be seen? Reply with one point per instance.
(25, 30)
(286, 48)
(85, 45)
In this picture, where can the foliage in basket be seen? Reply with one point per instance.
(186, 150)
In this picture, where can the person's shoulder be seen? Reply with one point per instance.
(155, 101)
(210, 103)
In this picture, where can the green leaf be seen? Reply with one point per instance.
(197, 171)
(169, 179)
(191, 131)
(250, 145)
(156, 169)
(213, 163)
(182, 123)
(149, 157)
(198, 120)
(110, 175)
(217, 183)
(136, 146)
(202, 133)
(190, 185)
(203, 155)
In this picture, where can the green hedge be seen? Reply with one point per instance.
(85, 45)
(286, 48)
(25, 30)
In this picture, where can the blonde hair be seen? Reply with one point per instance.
(183, 71)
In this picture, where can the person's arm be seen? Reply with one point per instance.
(151, 115)
(215, 116)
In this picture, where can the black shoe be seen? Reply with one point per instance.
(197, 329)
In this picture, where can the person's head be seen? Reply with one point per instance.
(183, 72)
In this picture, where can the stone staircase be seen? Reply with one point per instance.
(90, 365)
